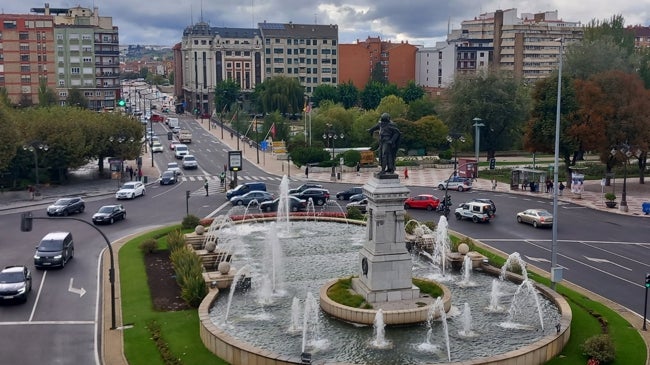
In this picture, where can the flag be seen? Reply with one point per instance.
(273, 130)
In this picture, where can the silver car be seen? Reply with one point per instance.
(536, 217)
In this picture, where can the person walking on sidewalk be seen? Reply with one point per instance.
(222, 178)
(406, 172)
(561, 187)
(205, 186)
(358, 167)
(130, 170)
(494, 184)
(140, 174)
(307, 172)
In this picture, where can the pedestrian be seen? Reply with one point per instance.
(406, 172)
(494, 184)
(205, 186)
(549, 185)
(140, 174)
(222, 178)
(358, 167)
(130, 170)
(307, 172)
(561, 187)
(31, 190)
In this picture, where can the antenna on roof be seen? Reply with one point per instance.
(252, 14)
(191, 15)
(201, 19)
(315, 18)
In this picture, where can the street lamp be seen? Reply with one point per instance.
(34, 147)
(452, 138)
(556, 272)
(330, 136)
(625, 151)
(477, 136)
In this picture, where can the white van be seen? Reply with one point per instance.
(173, 123)
(181, 150)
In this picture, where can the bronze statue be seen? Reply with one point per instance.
(389, 136)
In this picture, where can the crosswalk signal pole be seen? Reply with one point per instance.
(187, 202)
(645, 304)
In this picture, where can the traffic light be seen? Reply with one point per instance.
(448, 201)
(121, 102)
(493, 163)
(647, 280)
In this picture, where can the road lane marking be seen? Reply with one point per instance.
(46, 323)
(38, 295)
(80, 291)
(594, 259)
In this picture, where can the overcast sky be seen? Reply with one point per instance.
(420, 22)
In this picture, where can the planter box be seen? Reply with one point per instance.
(610, 204)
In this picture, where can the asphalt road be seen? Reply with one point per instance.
(603, 252)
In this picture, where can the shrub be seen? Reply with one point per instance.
(610, 197)
(341, 293)
(190, 221)
(355, 213)
(599, 347)
(189, 275)
(148, 246)
(167, 355)
(175, 240)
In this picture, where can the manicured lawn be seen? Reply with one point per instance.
(180, 330)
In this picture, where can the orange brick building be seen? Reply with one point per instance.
(356, 61)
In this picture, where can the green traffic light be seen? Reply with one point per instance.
(121, 102)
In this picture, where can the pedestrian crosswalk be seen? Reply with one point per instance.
(239, 178)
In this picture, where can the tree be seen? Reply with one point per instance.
(226, 93)
(46, 96)
(348, 94)
(284, 94)
(371, 95)
(324, 92)
(420, 108)
(393, 105)
(594, 56)
(76, 98)
(411, 92)
(171, 77)
(4, 97)
(144, 71)
(377, 74)
(498, 99)
(426, 133)
(8, 137)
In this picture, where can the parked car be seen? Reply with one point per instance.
(15, 283)
(245, 188)
(536, 217)
(477, 212)
(422, 201)
(55, 249)
(168, 177)
(295, 205)
(362, 205)
(357, 197)
(65, 206)
(156, 146)
(456, 183)
(130, 190)
(304, 187)
(252, 196)
(109, 214)
(346, 194)
(189, 162)
(173, 166)
(317, 195)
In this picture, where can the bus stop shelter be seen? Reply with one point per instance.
(525, 178)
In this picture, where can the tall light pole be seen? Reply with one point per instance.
(452, 138)
(330, 136)
(34, 147)
(556, 272)
(477, 136)
(624, 150)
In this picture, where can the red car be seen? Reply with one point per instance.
(424, 201)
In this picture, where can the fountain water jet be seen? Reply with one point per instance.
(295, 315)
(238, 275)
(438, 308)
(466, 321)
(380, 331)
(466, 270)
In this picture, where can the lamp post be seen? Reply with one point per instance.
(452, 138)
(477, 136)
(34, 147)
(556, 272)
(625, 151)
(330, 136)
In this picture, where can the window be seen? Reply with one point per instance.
(62, 83)
(23, 36)
(25, 79)
(87, 60)
(74, 70)
(24, 68)
(24, 58)
(9, 24)
(24, 47)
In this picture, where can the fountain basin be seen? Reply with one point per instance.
(236, 349)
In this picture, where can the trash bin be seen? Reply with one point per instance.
(145, 179)
(338, 176)
(646, 208)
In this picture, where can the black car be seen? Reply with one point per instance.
(168, 177)
(303, 187)
(55, 249)
(357, 197)
(295, 205)
(15, 283)
(346, 194)
(318, 196)
(109, 214)
(66, 206)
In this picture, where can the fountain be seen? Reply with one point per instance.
(313, 254)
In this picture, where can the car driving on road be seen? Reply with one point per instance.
(55, 249)
(168, 177)
(346, 194)
(422, 201)
(109, 214)
(318, 196)
(475, 211)
(255, 196)
(536, 217)
(65, 206)
(15, 283)
(455, 183)
(295, 205)
(130, 190)
(362, 205)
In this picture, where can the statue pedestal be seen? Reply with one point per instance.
(384, 262)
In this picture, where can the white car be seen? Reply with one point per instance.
(156, 147)
(456, 183)
(181, 150)
(189, 162)
(173, 166)
(130, 190)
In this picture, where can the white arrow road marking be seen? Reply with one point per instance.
(537, 259)
(606, 261)
(80, 291)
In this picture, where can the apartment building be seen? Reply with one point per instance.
(396, 62)
(27, 56)
(528, 46)
(641, 36)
